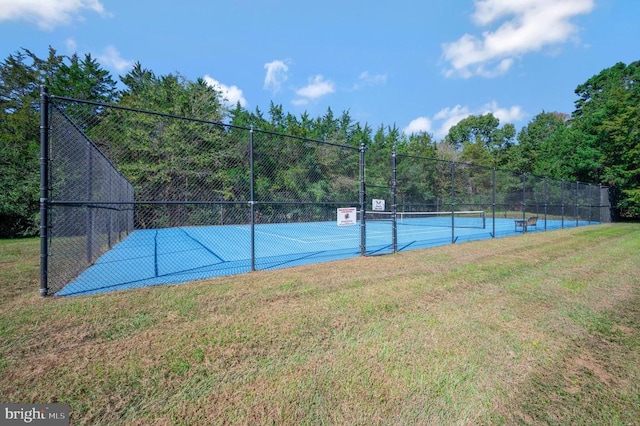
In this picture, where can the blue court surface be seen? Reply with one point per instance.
(177, 255)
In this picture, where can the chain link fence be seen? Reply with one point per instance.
(94, 203)
(502, 197)
(133, 198)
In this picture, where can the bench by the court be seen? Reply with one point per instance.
(526, 223)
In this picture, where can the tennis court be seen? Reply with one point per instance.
(177, 255)
(135, 198)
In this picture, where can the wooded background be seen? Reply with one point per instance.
(599, 142)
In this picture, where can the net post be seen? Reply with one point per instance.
(394, 201)
(252, 202)
(363, 201)
(44, 191)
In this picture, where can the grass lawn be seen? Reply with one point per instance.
(543, 328)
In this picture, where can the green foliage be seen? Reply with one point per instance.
(631, 202)
(481, 140)
(21, 75)
(607, 120)
(599, 143)
(538, 146)
(83, 79)
(166, 158)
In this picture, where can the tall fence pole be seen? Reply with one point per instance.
(546, 200)
(524, 196)
(110, 213)
(562, 200)
(90, 210)
(453, 202)
(44, 191)
(252, 202)
(577, 209)
(394, 200)
(604, 215)
(363, 201)
(493, 202)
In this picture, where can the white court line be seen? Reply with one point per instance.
(325, 238)
(273, 235)
(376, 235)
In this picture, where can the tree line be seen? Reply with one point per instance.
(599, 142)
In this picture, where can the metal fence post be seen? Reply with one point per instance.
(577, 209)
(110, 214)
(44, 191)
(394, 200)
(562, 201)
(546, 200)
(604, 209)
(453, 202)
(493, 202)
(524, 197)
(90, 209)
(363, 201)
(252, 201)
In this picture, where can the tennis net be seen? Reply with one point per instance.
(444, 219)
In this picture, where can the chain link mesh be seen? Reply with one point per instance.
(93, 202)
(115, 171)
(210, 199)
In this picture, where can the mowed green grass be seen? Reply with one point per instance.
(537, 329)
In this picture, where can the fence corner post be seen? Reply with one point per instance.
(44, 191)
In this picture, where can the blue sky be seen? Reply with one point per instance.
(420, 65)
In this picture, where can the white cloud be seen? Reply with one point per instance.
(372, 79)
(231, 94)
(528, 26)
(316, 88)
(71, 45)
(418, 125)
(48, 14)
(448, 117)
(111, 58)
(367, 79)
(276, 75)
(505, 115)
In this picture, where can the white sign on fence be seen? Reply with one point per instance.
(377, 205)
(347, 216)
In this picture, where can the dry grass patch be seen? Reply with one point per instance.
(532, 329)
